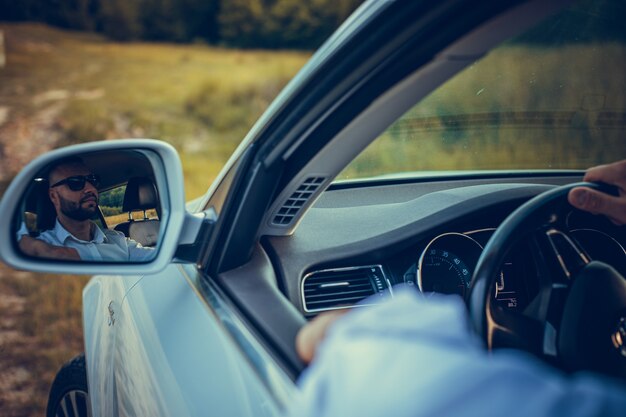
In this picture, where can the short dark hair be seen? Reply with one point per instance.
(70, 160)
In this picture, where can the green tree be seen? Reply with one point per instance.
(74, 14)
(161, 20)
(290, 23)
(241, 22)
(119, 19)
(200, 19)
(281, 23)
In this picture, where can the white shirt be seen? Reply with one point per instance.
(108, 245)
(413, 356)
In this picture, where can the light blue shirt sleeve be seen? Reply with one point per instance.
(414, 356)
(115, 246)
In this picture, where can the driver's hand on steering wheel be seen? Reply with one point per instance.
(597, 202)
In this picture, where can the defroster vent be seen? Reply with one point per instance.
(298, 199)
(336, 288)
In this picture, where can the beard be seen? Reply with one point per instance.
(76, 211)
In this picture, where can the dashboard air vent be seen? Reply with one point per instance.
(331, 289)
(298, 199)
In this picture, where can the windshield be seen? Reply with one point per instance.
(552, 98)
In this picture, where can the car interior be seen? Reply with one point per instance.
(328, 244)
(141, 195)
(132, 170)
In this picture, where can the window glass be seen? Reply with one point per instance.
(552, 98)
(110, 203)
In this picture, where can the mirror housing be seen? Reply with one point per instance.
(168, 179)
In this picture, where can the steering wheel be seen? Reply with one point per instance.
(578, 319)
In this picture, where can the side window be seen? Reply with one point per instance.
(110, 203)
(551, 98)
(112, 206)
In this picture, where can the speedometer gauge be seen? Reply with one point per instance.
(447, 263)
(444, 272)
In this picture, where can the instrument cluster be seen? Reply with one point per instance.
(447, 262)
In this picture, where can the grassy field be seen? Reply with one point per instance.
(59, 88)
(201, 100)
(518, 108)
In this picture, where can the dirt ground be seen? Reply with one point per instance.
(40, 329)
(16, 389)
(40, 319)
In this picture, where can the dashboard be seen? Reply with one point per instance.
(447, 262)
(429, 235)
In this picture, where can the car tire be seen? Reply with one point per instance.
(69, 395)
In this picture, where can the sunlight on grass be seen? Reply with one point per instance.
(518, 108)
(201, 99)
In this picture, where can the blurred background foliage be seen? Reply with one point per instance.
(241, 23)
(63, 87)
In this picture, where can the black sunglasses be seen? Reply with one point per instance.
(77, 182)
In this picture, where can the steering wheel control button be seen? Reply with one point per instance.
(619, 337)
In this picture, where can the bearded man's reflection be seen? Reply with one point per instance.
(73, 191)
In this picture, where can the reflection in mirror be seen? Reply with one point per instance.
(99, 207)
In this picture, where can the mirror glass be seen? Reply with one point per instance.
(94, 207)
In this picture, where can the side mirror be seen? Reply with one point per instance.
(114, 207)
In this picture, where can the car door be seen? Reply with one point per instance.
(175, 355)
(101, 300)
